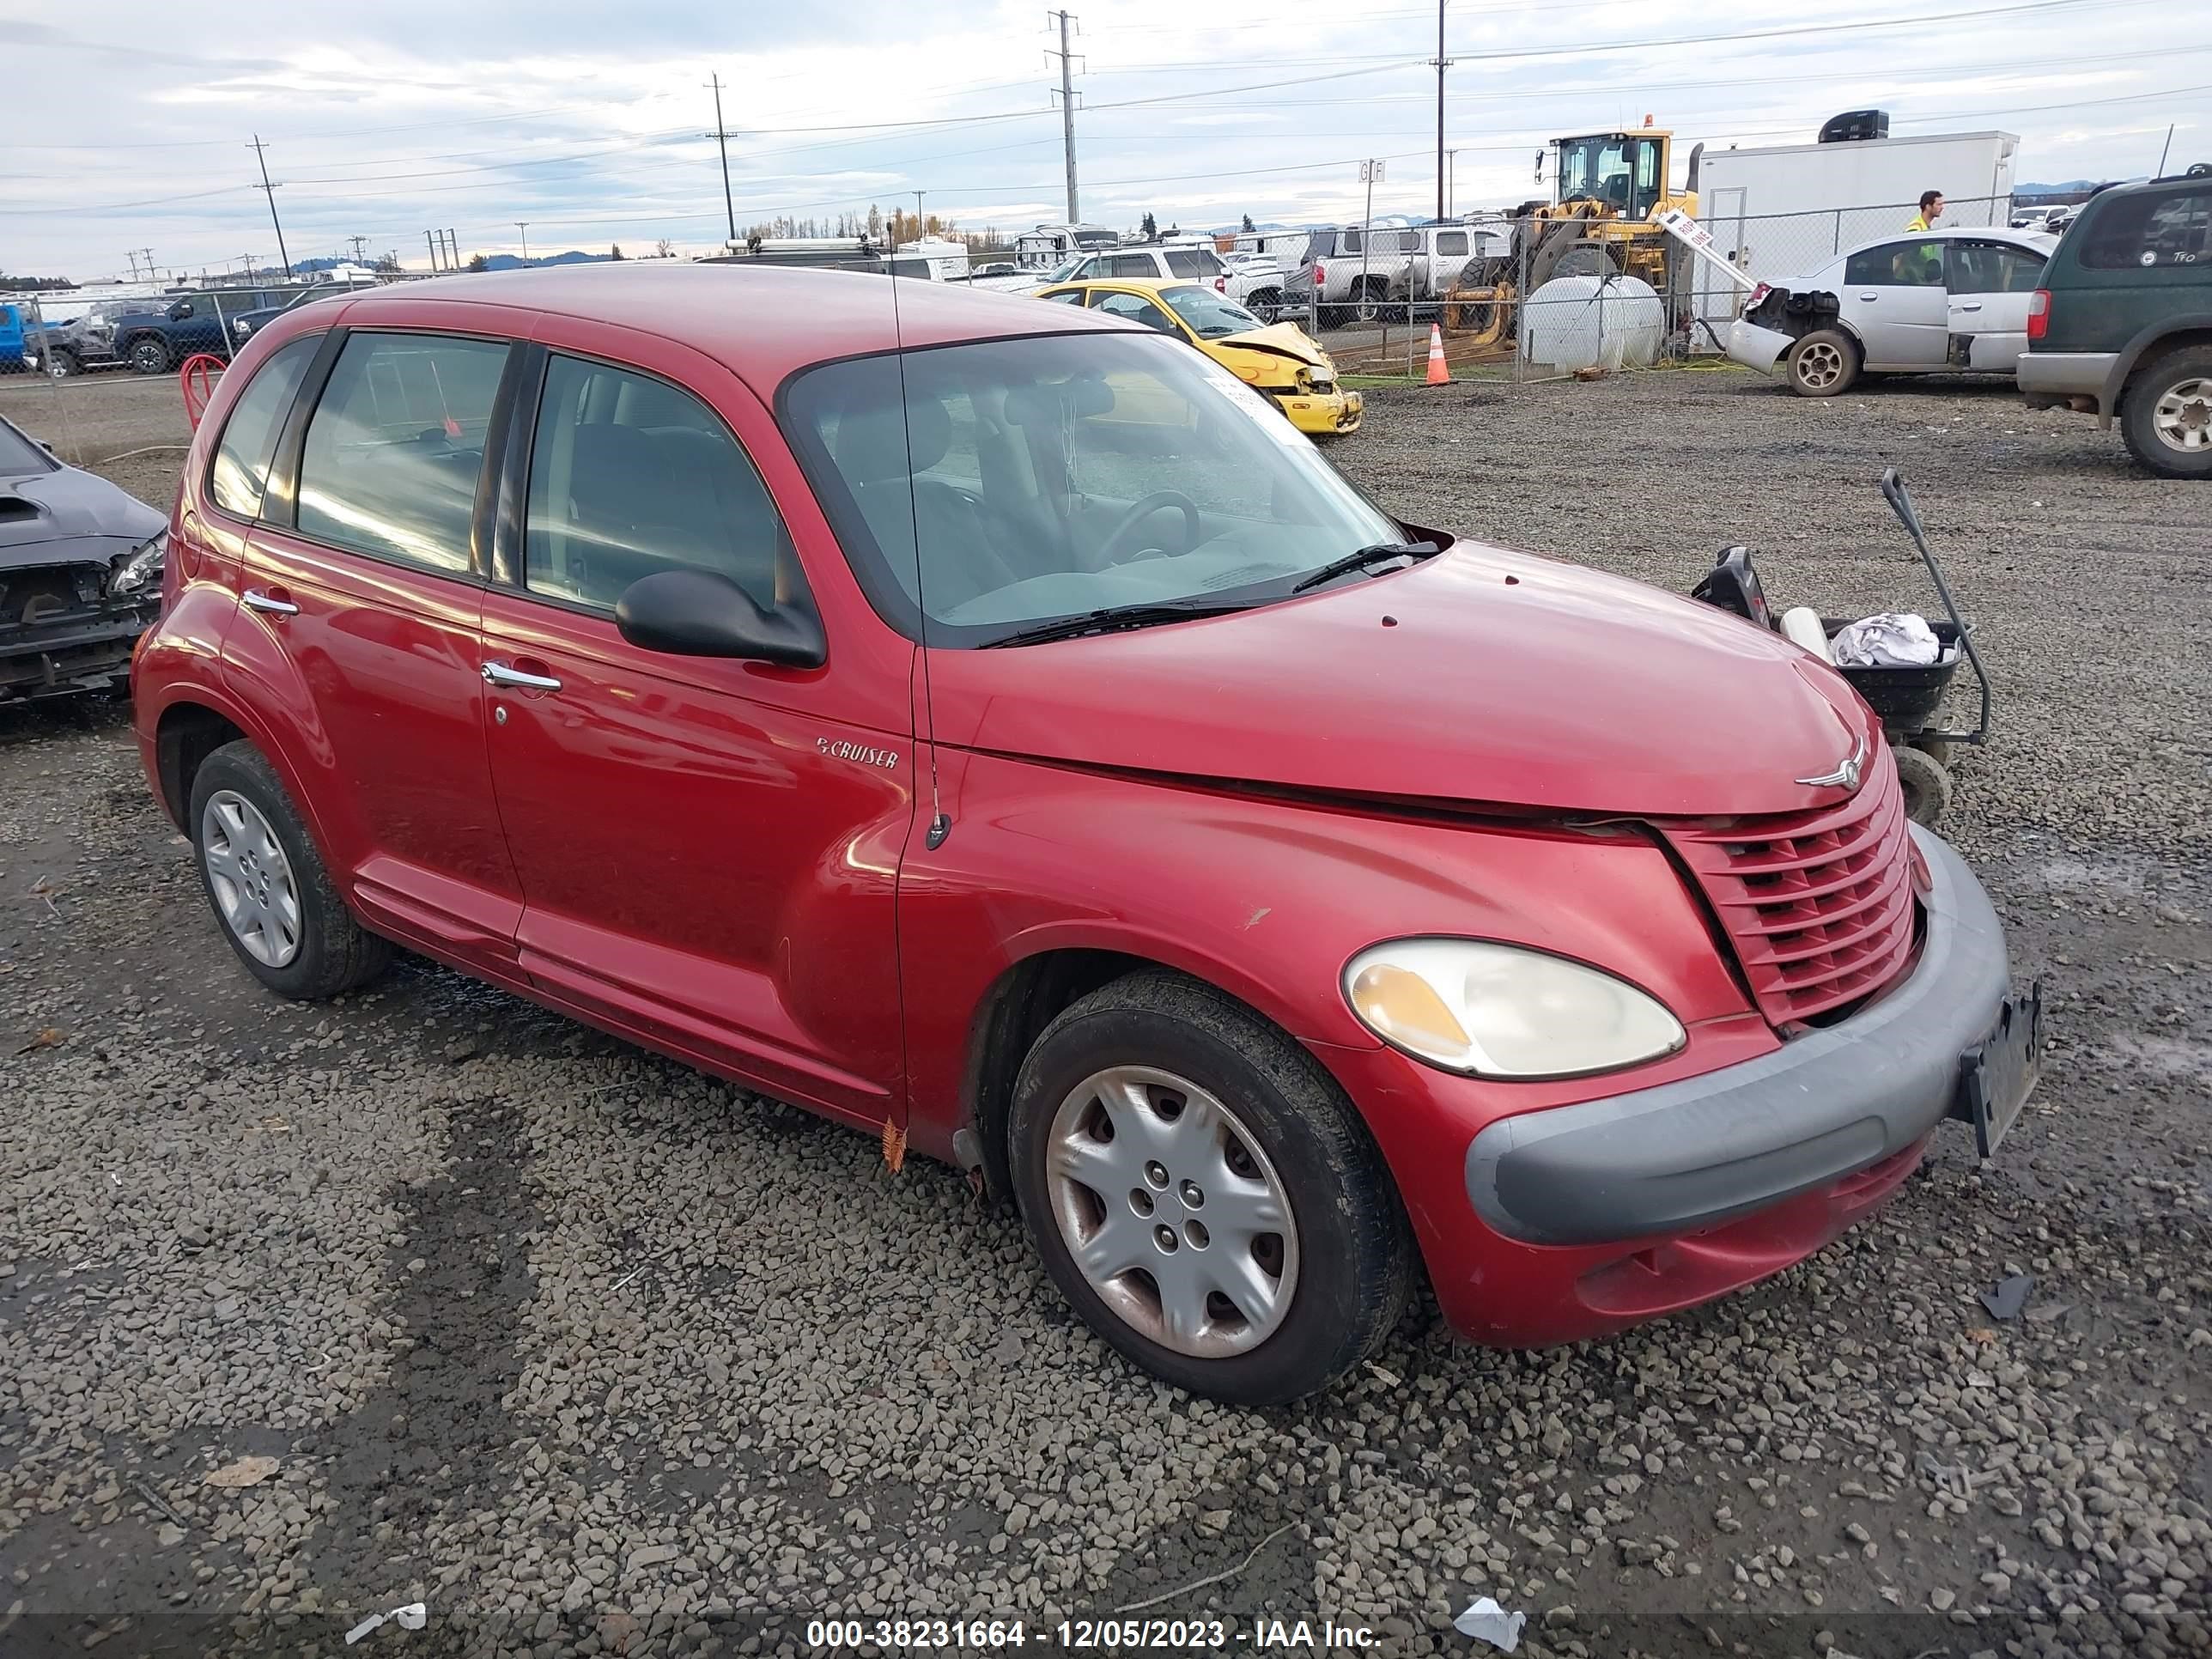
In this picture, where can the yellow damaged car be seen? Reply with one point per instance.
(1279, 359)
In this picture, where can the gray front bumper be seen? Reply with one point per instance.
(1687, 1155)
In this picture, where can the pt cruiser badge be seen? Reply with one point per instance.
(838, 748)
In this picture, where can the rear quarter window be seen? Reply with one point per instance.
(240, 473)
(2152, 231)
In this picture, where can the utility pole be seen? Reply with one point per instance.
(2164, 149)
(523, 225)
(360, 248)
(1443, 64)
(269, 190)
(920, 224)
(1067, 108)
(722, 139)
(430, 241)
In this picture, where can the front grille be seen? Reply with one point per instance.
(50, 594)
(1818, 904)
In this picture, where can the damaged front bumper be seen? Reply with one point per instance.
(62, 632)
(1762, 349)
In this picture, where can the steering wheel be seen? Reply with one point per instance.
(1110, 551)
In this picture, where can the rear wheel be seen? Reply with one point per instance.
(1204, 1195)
(268, 886)
(61, 364)
(2166, 414)
(1824, 363)
(150, 356)
(1368, 297)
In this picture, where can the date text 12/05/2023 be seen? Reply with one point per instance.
(1119, 1634)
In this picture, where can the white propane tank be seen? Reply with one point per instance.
(1583, 322)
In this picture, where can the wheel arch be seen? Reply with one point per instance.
(185, 734)
(2173, 334)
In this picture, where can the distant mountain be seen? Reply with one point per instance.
(2070, 187)
(573, 257)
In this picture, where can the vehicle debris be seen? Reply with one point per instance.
(2009, 1296)
(247, 1472)
(1486, 1621)
(413, 1616)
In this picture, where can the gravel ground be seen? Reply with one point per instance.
(593, 1355)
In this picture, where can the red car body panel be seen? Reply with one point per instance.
(732, 862)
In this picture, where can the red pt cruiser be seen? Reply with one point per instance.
(992, 725)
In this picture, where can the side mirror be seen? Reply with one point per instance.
(701, 613)
(180, 311)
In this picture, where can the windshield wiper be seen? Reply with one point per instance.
(1365, 556)
(1109, 619)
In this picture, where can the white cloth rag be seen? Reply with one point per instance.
(1895, 639)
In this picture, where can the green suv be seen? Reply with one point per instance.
(2123, 324)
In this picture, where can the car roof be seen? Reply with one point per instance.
(1136, 284)
(2041, 241)
(765, 324)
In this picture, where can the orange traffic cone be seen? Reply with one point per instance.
(1439, 371)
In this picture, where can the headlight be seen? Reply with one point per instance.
(1500, 1011)
(141, 565)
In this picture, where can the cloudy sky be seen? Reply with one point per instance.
(128, 130)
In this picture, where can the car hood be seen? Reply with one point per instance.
(1276, 340)
(40, 508)
(1480, 675)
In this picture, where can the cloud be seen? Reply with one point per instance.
(384, 120)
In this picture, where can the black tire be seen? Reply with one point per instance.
(336, 953)
(1354, 1251)
(63, 365)
(1370, 300)
(1936, 749)
(1265, 303)
(1824, 364)
(1926, 785)
(2150, 384)
(148, 355)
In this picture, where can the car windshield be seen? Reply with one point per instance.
(1208, 315)
(1064, 269)
(1024, 480)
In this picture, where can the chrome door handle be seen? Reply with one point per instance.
(498, 673)
(257, 600)
(1868, 298)
(1976, 307)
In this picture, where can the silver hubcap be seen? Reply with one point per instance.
(1820, 365)
(2184, 416)
(251, 877)
(1172, 1211)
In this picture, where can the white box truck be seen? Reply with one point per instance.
(1785, 210)
(1781, 209)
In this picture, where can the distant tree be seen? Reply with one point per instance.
(875, 222)
(390, 263)
(477, 262)
(664, 249)
(1150, 227)
(615, 252)
(1249, 225)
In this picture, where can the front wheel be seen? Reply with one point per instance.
(61, 365)
(271, 892)
(1823, 364)
(2166, 414)
(1203, 1194)
(149, 357)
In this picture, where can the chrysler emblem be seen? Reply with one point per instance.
(1845, 776)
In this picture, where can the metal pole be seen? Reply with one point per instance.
(269, 190)
(2164, 149)
(919, 224)
(523, 225)
(1442, 62)
(1366, 236)
(722, 139)
(1451, 175)
(430, 242)
(1067, 117)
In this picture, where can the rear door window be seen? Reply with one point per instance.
(1193, 262)
(2152, 231)
(1132, 264)
(630, 476)
(1451, 244)
(1994, 268)
(395, 446)
(240, 475)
